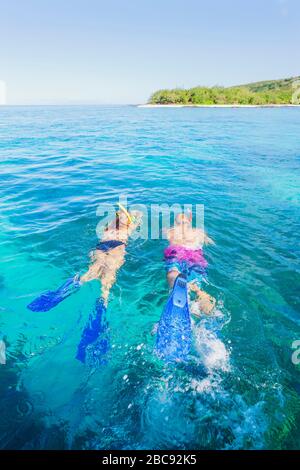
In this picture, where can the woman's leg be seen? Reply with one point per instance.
(94, 272)
(107, 281)
(108, 276)
(104, 269)
(97, 267)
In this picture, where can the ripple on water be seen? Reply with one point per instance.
(58, 165)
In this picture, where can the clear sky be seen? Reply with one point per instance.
(119, 51)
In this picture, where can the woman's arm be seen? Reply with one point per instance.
(138, 216)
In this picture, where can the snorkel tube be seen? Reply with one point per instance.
(125, 211)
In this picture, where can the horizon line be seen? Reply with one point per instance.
(9, 105)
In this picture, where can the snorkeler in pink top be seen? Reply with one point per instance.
(184, 255)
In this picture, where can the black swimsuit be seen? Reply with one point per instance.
(108, 245)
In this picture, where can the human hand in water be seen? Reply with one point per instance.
(138, 216)
(208, 240)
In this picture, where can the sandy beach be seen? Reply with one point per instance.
(218, 105)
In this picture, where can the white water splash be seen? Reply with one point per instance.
(210, 348)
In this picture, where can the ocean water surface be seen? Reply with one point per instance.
(240, 389)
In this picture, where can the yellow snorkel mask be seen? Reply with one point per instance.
(125, 211)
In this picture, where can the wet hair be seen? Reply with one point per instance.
(117, 219)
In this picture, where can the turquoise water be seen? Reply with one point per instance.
(240, 388)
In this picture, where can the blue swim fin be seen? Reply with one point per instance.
(50, 299)
(174, 333)
(94, 342)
